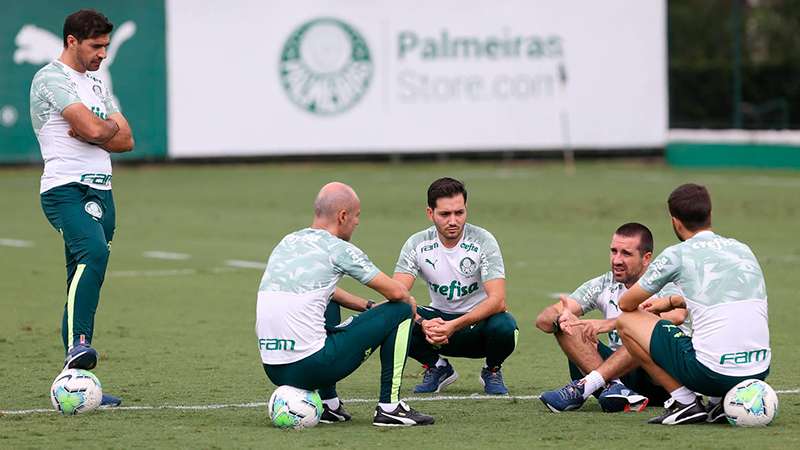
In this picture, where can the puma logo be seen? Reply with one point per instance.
(432, 263)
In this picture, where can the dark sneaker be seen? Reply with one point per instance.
(334, 415)
(567, 398)
(436, 378)
(110, 401)
(716, 413)
(677, 413)
(81, 357)
(402, 416)
(492, 381)
(617, 397)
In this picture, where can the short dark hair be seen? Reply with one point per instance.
(86, 24)
(691, 204)
(445, 188)
(634, 229)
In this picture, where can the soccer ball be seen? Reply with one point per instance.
(76, 391)
(290, 407)
(751, 403)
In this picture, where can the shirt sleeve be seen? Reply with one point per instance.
(586, 295)
(664, 269)
(350, 260)
(407, 261)
(491, 264)
(669, 289)
(57, 90)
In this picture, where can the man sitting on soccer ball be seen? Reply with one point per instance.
(297, 349)
(726, 296)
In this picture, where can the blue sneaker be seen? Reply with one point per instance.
(436, 379)
(110, 401)
(81, 356)
(617, 397)
(492, 381)
(567, 398)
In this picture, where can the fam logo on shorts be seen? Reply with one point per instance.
(325, 66)
(94, 210)
(467, 266)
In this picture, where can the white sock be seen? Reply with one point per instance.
(441, 362)
(714, 400)
(591, 383)
(617, 380)
(683, 395)
(388, 407)
(333, 403)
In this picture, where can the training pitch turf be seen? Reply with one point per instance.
(179, 331)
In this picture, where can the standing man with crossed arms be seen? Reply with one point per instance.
(78, 125)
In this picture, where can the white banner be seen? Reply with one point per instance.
(344, 76)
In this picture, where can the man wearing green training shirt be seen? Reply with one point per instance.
(78, 125)
(298, 348)
(725, 293)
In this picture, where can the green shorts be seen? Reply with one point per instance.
(673, 351)
(636, 379)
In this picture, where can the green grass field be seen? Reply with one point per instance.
(180, 332)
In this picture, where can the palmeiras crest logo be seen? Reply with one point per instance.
(94, 210)
(467, 266)
(325, 66)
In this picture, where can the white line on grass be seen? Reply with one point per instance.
(156, 254)
(435, 398)
(245, 264)
(16, 243)
(168, 272)
(152, 273)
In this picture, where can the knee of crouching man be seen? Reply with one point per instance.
(502, 324)
(402, 309)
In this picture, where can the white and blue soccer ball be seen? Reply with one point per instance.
(751, 403)
(76, 391)
(290, 407)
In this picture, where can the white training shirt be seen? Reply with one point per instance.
(66, 159)
(603, 293)
(455, 276)
(726, 296)
(297, 285)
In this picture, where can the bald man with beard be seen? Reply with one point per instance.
(301, 341)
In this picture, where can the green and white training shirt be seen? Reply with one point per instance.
(455, 276)
(603, 293)
(297, 285)
(726, 296)
(66, 159)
